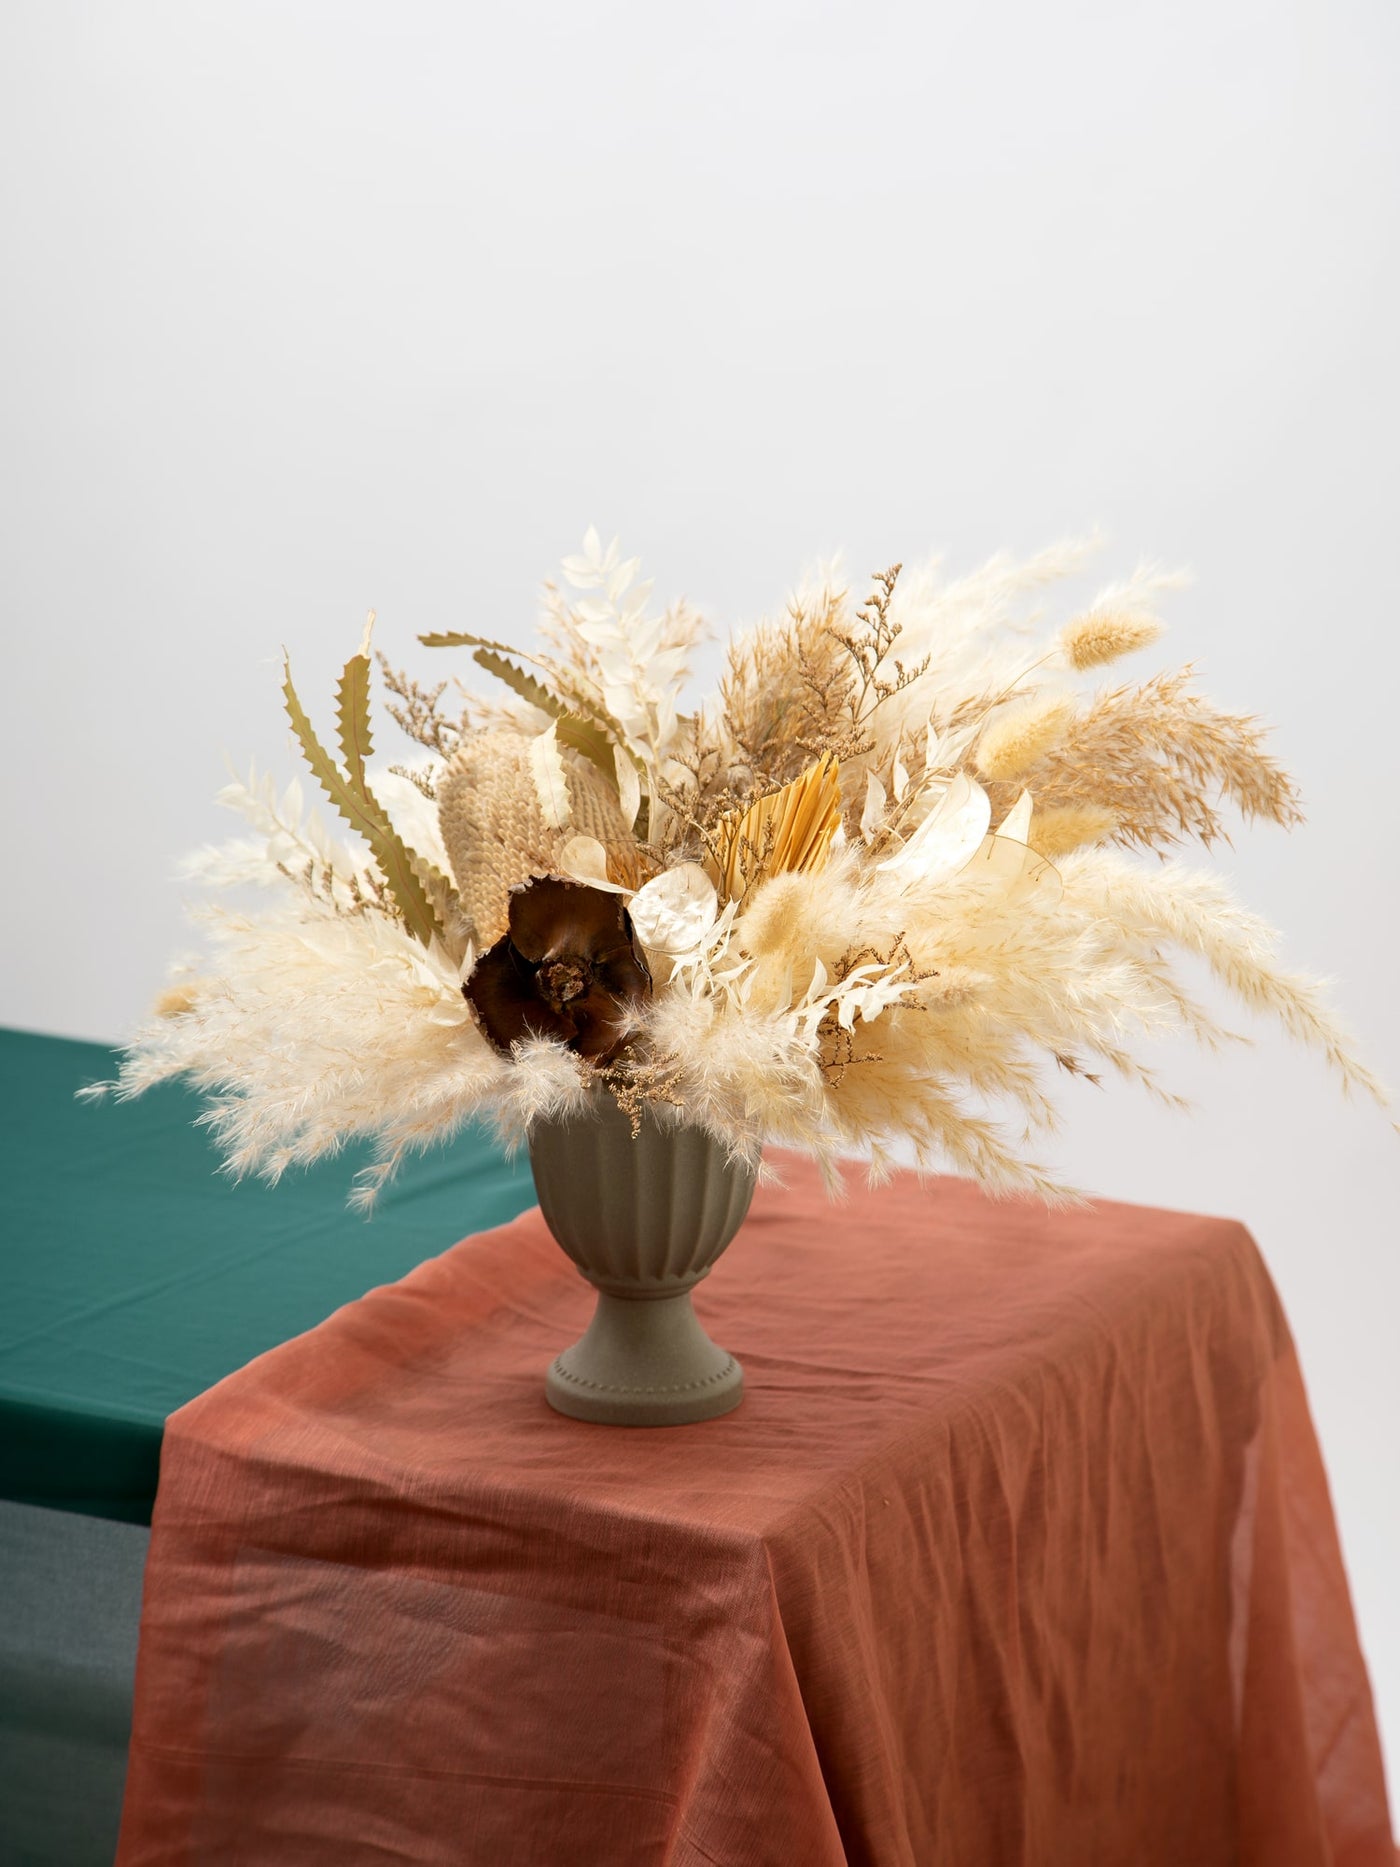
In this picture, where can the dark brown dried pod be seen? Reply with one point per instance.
(569, 967)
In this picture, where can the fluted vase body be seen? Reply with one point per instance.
(644, 1219)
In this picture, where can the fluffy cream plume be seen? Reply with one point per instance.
(176, 1000)
(796, 919)
(958, 1025)
(975, 635)
(1003, 986)
(1199, 913)
(1021, 733)
(543, 1082)
(1102, 636)
(1054, 832)
(310, 1029)
(1162, 759)
(747, 1078)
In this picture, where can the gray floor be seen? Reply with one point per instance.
(71, 1588)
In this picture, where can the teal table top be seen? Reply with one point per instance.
(133, 1274)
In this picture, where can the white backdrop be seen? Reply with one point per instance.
(313, 307)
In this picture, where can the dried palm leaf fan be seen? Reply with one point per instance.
(789, 831)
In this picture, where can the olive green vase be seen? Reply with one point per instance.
(644, 1220)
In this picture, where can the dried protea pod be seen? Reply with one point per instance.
(495, 832)
(569, 967)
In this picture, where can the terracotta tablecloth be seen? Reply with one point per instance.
(1018, 1550)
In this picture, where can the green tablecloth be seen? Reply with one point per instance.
(133, 1275)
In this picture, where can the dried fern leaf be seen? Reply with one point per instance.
(526, 685)
(592, 735)
(360, 808)
(460, 638)
(352, 715)
(495, 657)
(600, 738)
(582, 735)
(600, 751)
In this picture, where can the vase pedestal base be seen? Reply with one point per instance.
(644, 1361)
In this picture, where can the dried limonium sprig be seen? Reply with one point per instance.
(883, 886)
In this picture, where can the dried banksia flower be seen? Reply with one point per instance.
(569, 967)
(1018, 736)
(495, 833)
(1102, 635)
(789, 830)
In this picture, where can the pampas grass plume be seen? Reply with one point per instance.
(1054, 832)
(1019, 735)
(175, 1001)
(1100, 636)
(796, 918)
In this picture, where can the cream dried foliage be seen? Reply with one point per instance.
(1071, 975)
(981, 646)
(292, 843)
(795, 920)
(1011, 989)
(754, 1076)
(845, 916)
(890, 1088)
(1156, 758)
(829, 1090)
(958, 1086)
(624, 664)
(1050, 973)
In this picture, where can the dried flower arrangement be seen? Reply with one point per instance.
(865, 895)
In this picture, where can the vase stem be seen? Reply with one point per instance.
(645, 1361)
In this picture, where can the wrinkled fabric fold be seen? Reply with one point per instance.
(1018, 1551)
